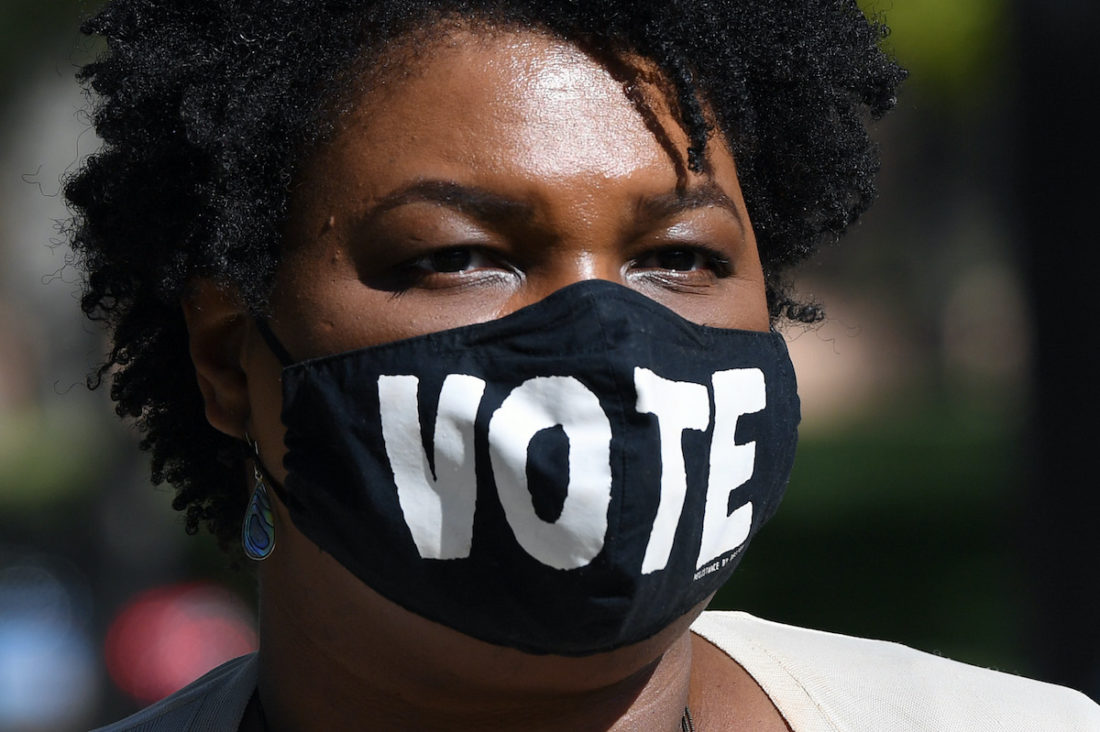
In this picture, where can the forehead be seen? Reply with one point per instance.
(493, 99)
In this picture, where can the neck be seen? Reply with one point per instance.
(323, 669)
(316, 701)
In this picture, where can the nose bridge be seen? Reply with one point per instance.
(583, 232)
(569, 262)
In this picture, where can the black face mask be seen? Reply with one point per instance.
(568, 479)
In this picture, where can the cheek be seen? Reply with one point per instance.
(750, 311)
(743, 306)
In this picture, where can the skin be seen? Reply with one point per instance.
(499, 167)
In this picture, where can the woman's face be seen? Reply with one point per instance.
(487, 172)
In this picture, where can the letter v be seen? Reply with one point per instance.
(439, 508)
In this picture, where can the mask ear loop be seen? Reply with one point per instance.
(273, 342)
(258, 528)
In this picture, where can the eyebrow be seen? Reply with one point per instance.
(667, 205)
(497, 209)
(478, 202)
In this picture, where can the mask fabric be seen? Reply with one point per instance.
(568, 479)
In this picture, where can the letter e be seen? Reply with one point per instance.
(736, 392)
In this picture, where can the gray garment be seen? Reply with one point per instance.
(213, 703)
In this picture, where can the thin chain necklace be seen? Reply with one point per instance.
(687, 724)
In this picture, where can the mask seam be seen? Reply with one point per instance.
(621, 426)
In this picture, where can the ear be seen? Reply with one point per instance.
(216, 324)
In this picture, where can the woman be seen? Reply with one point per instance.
(462, 310)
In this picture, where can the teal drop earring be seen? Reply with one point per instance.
(258, 530)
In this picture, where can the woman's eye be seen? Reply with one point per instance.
(456, 266)
(685, 259)
(679, 259)
(452, 260)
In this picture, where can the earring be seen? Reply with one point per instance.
(258, 531)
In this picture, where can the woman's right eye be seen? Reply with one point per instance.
(456, 266)
(452, 260)
(455, 259)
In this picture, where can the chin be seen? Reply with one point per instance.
(333, 612)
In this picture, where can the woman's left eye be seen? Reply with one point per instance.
(685, 259)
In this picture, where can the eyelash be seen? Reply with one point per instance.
(710, 258)
(430, 269)
(422, 263)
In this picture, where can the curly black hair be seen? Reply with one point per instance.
(206, 108)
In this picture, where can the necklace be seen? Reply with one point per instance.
(687, 724)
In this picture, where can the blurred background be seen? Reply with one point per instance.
(944, 494)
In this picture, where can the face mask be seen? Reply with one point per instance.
(568, 479)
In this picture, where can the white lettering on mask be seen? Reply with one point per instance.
(736, 392)
(678, 406)
(540, 403)
(439, 508)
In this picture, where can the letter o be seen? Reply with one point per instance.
(541, 403)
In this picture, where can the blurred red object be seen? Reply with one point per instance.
(167, 637)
